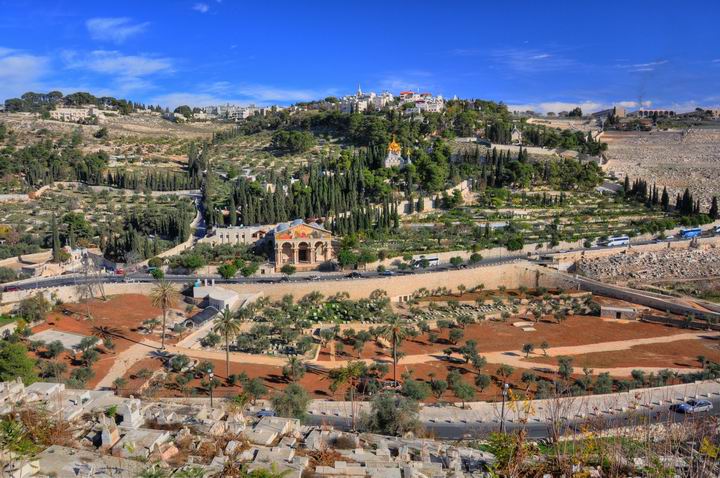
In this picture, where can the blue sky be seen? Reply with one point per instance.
(545, 55)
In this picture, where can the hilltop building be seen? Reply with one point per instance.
(74, 115)
(360, 101)
(652, 113)
(422, 102)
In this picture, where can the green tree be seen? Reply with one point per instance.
(255, 389)
(228, 326)
(482, 381)
(55, 238)
(34, 309)
(565, 368)
(227, 271)
(416, 389)
(55, 348)
(455, 335)
(603, 383)
(294, 369)
(288, 269)
(291, 402)
(395, 330)
(528, 349)
(15, 362)
(164, 296)
(438, 387)
(348, 375)
(463, 391)
(392, 414)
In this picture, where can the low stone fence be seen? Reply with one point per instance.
(73, 293)
(658, 319)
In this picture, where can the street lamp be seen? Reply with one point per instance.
(505, 388)
(211, 385)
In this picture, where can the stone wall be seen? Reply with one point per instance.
(71, 294)
(511, 275)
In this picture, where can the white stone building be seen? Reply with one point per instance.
(75, 114)
(360, 101)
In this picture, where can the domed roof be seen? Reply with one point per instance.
(394, 147)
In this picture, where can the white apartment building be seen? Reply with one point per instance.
(360, 101)
(75, 114)
(238, 112)
(423, 102)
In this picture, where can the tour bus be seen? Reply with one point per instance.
(690, 233)
(617, 241)
(431, 262)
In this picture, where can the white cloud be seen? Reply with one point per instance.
(201, 7)
(530, 60)
(20, 72)
(173, 100)
(643, 67)
(587, 106)
(114, 29)
(225, 92)
(557, 106)
(115, 63)
(634, 104)
(651, 64)
(396, 84)
(267, 93)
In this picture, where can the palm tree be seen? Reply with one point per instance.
(228, 326)
(164, 296)
(349, 374)
(395, 330)
(294, 369)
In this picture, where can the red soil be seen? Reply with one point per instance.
(494, 336)
(121, 314)
(680, 354)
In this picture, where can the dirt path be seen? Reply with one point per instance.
(513, 358)
(124, 361)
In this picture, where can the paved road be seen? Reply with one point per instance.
(537, 431)
(143, 277)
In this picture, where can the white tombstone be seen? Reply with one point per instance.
(131, 415)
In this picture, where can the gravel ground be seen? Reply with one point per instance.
(652, 266)
(673, 159)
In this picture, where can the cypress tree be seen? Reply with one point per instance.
(55, 239)
(713, 213)
(665, 200)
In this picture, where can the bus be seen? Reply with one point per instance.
(690, 233)
(617, 241)
(425, 262)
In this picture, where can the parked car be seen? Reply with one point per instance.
(692, 406)
(354, 275)
(265, 413)
(387, 273)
